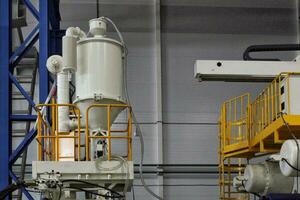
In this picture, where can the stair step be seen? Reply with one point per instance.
(26, 65)
(26, 81)
(20, 112)
(19, 98)
(18, 135)
(18, 93)
(24, 77)
(18, 131)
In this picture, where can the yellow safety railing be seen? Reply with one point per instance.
(127, 132)
(48, 136)
(234, 120)
(269, 104)
(247, 128)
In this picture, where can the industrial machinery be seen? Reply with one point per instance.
(252, 128)
(79, 146)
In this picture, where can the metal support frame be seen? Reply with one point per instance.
(7, 63)
(5, 88)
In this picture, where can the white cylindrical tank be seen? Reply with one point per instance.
(289, 154)
(266, 178)
(99, 78)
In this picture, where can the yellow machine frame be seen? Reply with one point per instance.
(248, 130)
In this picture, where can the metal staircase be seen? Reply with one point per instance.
(25, 72)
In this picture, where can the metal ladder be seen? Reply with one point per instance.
(25, 72)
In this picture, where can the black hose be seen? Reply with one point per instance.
(10, 189)
(269, 47)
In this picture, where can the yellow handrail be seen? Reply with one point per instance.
(109, 108)
(48, 136)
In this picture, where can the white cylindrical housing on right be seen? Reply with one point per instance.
(288, 153)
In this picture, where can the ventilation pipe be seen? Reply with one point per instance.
(63, 67)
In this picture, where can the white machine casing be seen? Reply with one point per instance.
(99, 78)
(290, 95)
(234, 70)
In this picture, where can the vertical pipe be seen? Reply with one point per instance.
(53, 129)
(39, 137)
(56, 133)
(63, 115)
(276, 98)
(108, 132)
(79, 136)
(129, 134)
(5, 87)
(87, 134)
(272, 101)
(63, 98)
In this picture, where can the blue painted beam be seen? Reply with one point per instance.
(44, 50)
(22, 90)
(15, 178)
(32, 9)
(23, 117)
(20, 149)
(25, 46)
(5, 88)
(55, 17)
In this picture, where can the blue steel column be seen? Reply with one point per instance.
(5, 88)
(44, 50)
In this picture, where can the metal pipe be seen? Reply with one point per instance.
(267, 48)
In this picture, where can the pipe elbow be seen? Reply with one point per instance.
(54, 64)
(75, 32)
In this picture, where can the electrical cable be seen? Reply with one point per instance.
(97, 9)
(298, 149)
(243, 184)
(138, 128)
(289, 164)
(180, 185)
(92, 184)
(94, 193)
(11, 188)
(133, 194)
